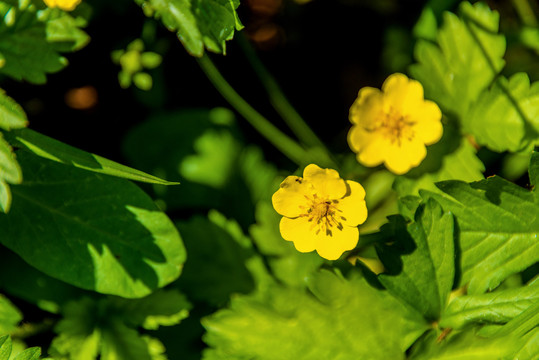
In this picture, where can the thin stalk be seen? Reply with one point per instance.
(279, 101)
(281, 141)
(525, 12)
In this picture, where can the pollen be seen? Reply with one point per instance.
(323, 214)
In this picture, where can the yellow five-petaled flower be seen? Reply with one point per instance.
(393, 126)
(67, 5)
(320, 211)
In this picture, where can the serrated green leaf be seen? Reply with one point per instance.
(198, 24)
(497, 307)
(52, 149)
(10, 170)
(5, 347)
(10, 316)
(209, 277)
(504, 118)
(498, 225)
(465, 346)
(5, 197)
(32, 353)
(63, 31)
(90, 230)
(161, 308)
(341, 321)
(30, 41)
(12, 116)
(105, 328)
(420, 261)
(465, 60)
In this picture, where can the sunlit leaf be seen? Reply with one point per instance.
(342, 320)
(464, 61)
(90, 230)
(498, 224)
(505, 118)
(198, 24)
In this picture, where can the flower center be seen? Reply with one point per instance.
(394, 126)
(323, 214)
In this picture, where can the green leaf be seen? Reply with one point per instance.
(30, 41)
(161, 308)
(32, 353)
(218, 251)
(105, 328)
(420, 261)
(198, 24)
(497, 307)
(343, 320)
(505, 117)
(464, 61)
(52, 149)
(90, 230)
(10, 316)
(498, 224)
(465, 346)
(10, 170)
(453, 158)
(12, 115)
(5, 347)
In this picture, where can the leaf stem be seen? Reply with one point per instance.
(281, 141)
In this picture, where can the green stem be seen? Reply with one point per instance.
(525, 12)
(281, 141)
(277, 98)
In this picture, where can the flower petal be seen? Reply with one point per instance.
(331, 246)
(402, 94)
(352, 208)
(428, 126)
(299, 230)
(376, 151)
(406, 156)
(326, 182)
(290, 199)
(366, 109)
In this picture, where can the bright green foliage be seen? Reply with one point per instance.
(95, 232)
(341, 321)
(10, 316)
(465, 60)
(30, 41)
(218, 252)
(505, 118)
(420, 260)
(468, 346)
(452, 158)
(496, 307)
(12, 116)
(55, 150)
(198, 24)
(6, 350)
(498, 224)
(107, 327)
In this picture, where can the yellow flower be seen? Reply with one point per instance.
(320, 211)
(393, 126)
(67, 5)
